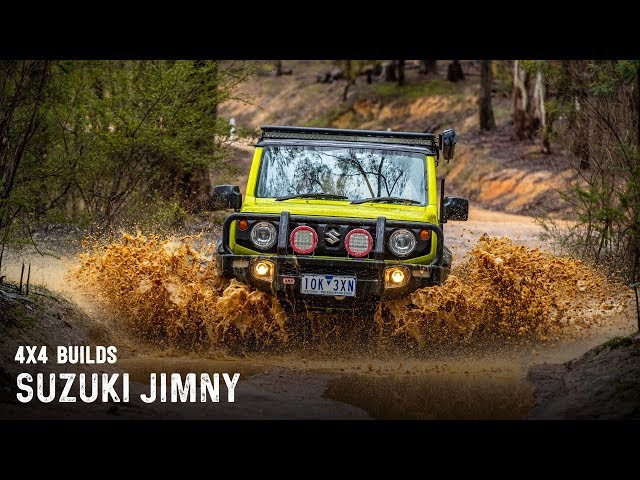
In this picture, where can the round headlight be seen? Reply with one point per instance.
(303, 239)
(264, 235)
(358, 242)
(402, 243)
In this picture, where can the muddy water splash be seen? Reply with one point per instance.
(166, 287)
(506, 292)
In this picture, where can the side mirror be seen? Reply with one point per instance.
(448, 143)
(226, 196)
(456, 208)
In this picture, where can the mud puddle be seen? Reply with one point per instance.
(310, 386)
(140, 367)
(435, 397)
(425, 357)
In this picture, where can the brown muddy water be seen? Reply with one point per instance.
(460, 351)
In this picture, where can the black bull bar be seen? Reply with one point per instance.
(285, 217)
(370, 290)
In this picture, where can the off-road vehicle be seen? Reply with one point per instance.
(337, 219)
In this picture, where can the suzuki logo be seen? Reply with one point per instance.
(332, 237)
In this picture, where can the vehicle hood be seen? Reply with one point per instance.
(330, 208)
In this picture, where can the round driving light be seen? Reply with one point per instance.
(425, 234)
(264, 235)
(243, 225)
(402, 242)
(397, 276)
(263, 270)
(358, 242)
(303, 239)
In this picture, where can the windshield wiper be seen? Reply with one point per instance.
(313, 195)
(386, 200)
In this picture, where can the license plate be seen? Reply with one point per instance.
(333, 285)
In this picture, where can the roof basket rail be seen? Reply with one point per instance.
(380, 136)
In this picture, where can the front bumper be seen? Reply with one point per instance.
(370, 286)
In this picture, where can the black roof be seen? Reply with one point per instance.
(340, 134)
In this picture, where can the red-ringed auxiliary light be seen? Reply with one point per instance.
(358, 242)
(303, 239)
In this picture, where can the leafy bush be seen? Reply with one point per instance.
(90, 141)
(596, 116)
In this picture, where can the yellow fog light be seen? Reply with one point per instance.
(263, 270)
(395, 277)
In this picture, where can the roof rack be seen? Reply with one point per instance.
(340, 134)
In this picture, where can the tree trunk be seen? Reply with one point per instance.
(487, 122)
(194, 185)
(529, 114)
(429, 66)
(400, 72)
(537, 111)
(368, 72)
(389, 70)
(638, 105)
(520, 101)
(540, 112)
(454, 71)
(278, 65)
(35, 75)
(348, 74)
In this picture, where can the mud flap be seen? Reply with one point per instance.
(443, 273)
(447, 257)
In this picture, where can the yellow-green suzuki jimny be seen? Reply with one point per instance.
(338, 219)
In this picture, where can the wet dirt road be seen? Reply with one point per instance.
(318, 383)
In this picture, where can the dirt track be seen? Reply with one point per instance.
(316, 384)
(461, 236)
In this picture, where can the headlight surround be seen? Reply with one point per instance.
(303, 240)
(395, 277)
(402, 242)
(263, 270)
(264, 235)
(358, 242)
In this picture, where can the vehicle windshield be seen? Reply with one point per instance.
(353, 172)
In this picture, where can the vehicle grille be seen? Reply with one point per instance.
(331, 237)
(288, 269)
